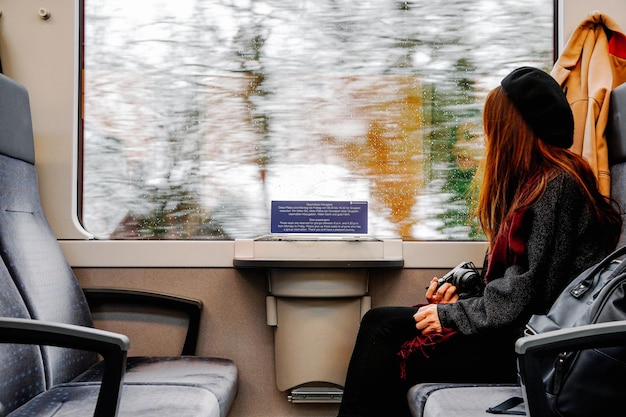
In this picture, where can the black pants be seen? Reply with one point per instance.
(373, 385)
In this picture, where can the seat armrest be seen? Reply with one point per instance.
(112, 346)
(531, 349)
(191, 307)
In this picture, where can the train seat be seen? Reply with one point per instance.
(41, 303)
(467, 400)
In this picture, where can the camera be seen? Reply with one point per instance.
(465, 278)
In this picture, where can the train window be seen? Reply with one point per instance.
(198, 113)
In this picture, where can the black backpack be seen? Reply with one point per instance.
(589, 382)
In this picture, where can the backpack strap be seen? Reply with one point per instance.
(505, 407)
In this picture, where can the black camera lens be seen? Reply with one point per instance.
(465, 278)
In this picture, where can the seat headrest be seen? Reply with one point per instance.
(616, 128)
(16, 129)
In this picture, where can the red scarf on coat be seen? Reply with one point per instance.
(509, 249)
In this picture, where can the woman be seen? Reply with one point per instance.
(545, 222)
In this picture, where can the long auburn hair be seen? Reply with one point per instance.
(515, 157)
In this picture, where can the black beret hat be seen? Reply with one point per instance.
(542, 104)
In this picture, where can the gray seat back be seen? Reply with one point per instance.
(616, 142)
(21, 366)
(15, 121)
(29, 249)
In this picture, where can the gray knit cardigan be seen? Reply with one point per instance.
(564, 239)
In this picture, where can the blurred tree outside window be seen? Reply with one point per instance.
(198, 113)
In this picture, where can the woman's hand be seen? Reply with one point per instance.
(446, 294)
(427, 319)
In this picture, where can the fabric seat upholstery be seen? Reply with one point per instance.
(213, 374)
(21, 366)
(458, 400)
(71, 400)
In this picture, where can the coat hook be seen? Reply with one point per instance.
(44, 13)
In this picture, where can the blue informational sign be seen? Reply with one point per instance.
(340, 217)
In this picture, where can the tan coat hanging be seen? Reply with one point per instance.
(591, 65)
